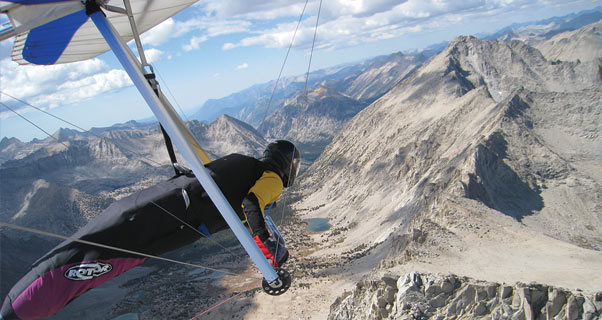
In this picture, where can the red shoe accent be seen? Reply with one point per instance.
(266, 252)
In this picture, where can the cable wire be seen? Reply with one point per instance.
(163, 82)
(284, 63)
(218, 304)
(193, 228)
(312, 48)
(31, 122)
(284, 197)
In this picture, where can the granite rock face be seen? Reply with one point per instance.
(429, 296)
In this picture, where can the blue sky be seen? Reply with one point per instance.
(217, 47)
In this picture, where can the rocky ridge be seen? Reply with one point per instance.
(583, 44)
(380, 77)
(311, 121)
(313, 118)
(431, 296)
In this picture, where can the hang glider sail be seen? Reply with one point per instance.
(50, 32)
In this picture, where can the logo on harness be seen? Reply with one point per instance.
(87, 271)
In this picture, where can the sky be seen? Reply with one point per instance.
(215, 47)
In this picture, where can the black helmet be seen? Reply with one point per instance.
(284, 156)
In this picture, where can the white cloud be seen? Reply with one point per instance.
(242, 66)
(229, 45)
(153, 55)
(160, 33)
(253, 9)
(50, 86)
(350, 22)
(345, 18)
(94, 85)
(227, 27)
(208, 26)
(194, 43)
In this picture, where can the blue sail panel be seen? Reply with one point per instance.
(45, 44)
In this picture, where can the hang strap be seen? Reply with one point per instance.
(172, 154)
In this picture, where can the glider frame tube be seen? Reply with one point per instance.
(165, 117)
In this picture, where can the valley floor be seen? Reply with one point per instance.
(496, 248)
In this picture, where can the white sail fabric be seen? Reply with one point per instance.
(60, 31)
(24, 17)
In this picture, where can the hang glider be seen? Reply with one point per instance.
(54, 31)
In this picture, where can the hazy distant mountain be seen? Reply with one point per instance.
(534, 32)
(311, 122)
(251, 105)
(245, 101)
(582, 44)
(314, 120)
(228, 135)
(378, 78)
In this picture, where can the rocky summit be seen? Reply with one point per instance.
(431, 296)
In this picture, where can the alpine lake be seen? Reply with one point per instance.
(317, 224)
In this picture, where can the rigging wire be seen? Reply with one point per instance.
(163, 82)
(312, 48)
(23, 117)
(91, 243)
(195, 229)
(43, 111)
(284, 197)
(219, 304)
(284, 63)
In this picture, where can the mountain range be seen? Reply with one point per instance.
(254, 104)
(534, 32)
